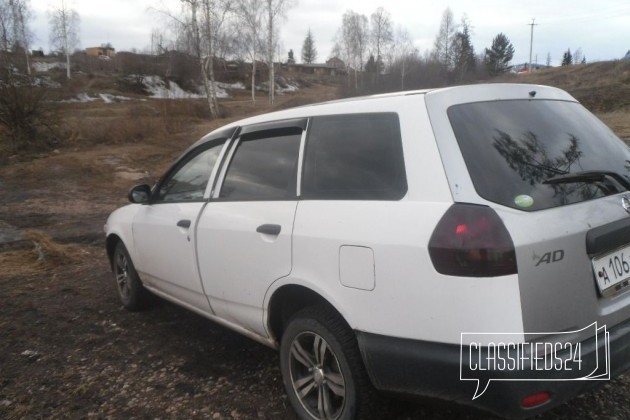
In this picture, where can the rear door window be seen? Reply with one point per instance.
(533, 155)
(354, 156)
(264, 166)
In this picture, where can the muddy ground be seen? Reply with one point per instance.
(69, 350)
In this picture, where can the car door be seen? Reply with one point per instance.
(164, 230)
(244, 233)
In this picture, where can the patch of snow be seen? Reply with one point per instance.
(110, 99)
(45, 81)
(160, 89)
(219, 90)
(131, 176)
(107, 98)
(236, 86)
(167, 89)
(44, 67)
(84, 97)
(288, 88)
(31, 354)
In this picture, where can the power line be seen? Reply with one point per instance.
(602, 13)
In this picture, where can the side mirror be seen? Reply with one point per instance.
(140, 194)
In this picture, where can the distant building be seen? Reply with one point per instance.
(101, 51)
(336, 62)
(37, 53)
(333, 67)
(524, 68)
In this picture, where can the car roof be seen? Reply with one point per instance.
(498, 90)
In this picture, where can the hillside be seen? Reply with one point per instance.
(601, 87)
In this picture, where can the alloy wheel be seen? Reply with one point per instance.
(316, 376)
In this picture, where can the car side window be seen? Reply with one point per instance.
(264, 166)
(189, 180)
(354, 157)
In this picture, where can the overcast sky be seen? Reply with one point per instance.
(600, 28)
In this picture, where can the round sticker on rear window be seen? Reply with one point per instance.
(524, 201)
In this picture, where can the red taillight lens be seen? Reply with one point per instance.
(472, 241)
(536, 399)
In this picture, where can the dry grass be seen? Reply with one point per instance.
(112, 124)
(601, 87)
(20, 263)
(41, 255)
(619, 122)
(48, 251)
(149, 122)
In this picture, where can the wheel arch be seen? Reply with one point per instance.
(110, 245)
(288, 299)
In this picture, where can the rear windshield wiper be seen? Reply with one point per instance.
(590, 177)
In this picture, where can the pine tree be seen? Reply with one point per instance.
(370, 66)
(309, 52)
(567, 58)
(498, 56)
(463, 53)
(291, 59)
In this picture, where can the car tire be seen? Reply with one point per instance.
(132, 294)
(322, 369)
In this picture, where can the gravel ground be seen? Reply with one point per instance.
(69, 350)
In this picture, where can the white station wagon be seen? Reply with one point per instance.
(363, 237)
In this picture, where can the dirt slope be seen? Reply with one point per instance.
(601, 87)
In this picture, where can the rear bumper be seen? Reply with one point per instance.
(433, 370)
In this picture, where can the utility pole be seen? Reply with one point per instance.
(531, 44)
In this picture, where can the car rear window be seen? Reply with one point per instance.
(515, 150)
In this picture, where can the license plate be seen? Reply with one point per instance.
(612, 271)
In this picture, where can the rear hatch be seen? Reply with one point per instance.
(559, 179)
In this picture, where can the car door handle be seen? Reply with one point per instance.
(183, 224)
(269, 229)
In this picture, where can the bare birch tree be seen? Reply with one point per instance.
(249, 15)
(214, 14)
(14, 32)
(274, 10)
(64, 30)
(382, 35)
(197, 33)
(402, 52)
(353, 40)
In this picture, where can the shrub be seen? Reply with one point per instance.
(24, 116)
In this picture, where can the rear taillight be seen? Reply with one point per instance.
(472, 241)
(536, 400)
